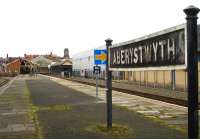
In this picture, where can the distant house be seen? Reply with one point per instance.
(30, 57)
(2, 67)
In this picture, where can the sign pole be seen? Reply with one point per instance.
(109, 86)
(96, 85)
(192, 71)
(96, 71)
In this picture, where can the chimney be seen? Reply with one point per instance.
(6, 60)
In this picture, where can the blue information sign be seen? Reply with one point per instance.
(100, 57)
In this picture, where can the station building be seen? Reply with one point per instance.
(83, 63)
(43, 63)
(63, 67)
(53, 64)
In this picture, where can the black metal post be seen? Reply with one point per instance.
(109, 86)
(173, 79)
(191, 17)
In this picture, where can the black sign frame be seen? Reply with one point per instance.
(165, 35)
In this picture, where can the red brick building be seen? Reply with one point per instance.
(14, 66)
(19, 65)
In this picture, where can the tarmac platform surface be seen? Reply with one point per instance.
(54, 108)
(165, 114)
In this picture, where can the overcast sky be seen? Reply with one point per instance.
(44, 26)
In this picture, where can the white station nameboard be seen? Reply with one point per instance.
(164, 50)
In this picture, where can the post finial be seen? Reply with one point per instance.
(191, 11)
(108, 41)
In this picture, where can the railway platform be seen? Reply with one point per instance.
(45, 107)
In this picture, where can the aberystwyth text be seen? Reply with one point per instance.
(163, 50)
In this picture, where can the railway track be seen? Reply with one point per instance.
(171, 100)
(3, 82)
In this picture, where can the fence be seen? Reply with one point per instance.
(174, 80)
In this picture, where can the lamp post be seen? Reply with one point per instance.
(108, 85)
(192, 71)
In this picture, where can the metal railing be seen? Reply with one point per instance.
(154, 79)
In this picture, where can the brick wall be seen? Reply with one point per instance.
(14, 66)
